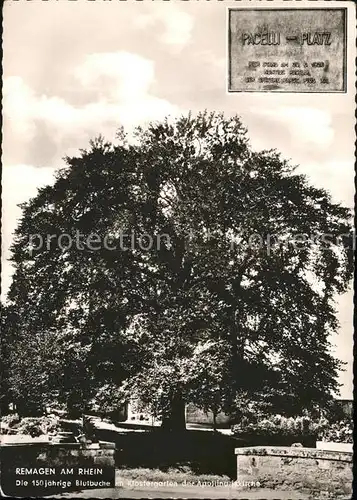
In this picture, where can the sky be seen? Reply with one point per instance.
(77, 69)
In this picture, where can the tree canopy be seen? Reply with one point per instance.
(179, 264)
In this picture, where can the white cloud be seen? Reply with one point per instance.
(128, 75)
(19, 184)
(18, 101)
(178, 29)
(307, 126)
(177, 24)
(337, 177)
(121, 84)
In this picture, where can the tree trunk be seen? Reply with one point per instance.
(174, 418)
(214, 421)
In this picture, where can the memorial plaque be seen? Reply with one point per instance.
(179, 246)
(287, 50)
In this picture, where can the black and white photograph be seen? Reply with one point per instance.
(178, 183)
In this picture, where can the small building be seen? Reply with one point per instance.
(346, 407)
(193, 415)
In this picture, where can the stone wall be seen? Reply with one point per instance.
(58, 454)
(320, 472)
(19, 460)
(332, 446)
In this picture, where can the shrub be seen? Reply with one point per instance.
(37, 426)
(10, 420)
(276, 419)
(53, 425)
(339, 432)
(277, 425)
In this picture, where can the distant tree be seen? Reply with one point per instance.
(24, 361)
(6, 343)
(208, 311)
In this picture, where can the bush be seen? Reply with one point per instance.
(31, 426)
(10, 420)
(338, 432)
(37, 426)
(282, 427)
(277, 425)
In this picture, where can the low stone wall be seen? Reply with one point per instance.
(329, 445)
(58, 454)
(321, 472)
(19, 461)
(267, 440)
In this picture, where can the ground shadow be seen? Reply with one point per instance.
(205, 452)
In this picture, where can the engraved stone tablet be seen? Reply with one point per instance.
(287, 50)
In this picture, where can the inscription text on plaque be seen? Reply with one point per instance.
(287, 50)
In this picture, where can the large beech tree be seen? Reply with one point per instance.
(228, 299)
